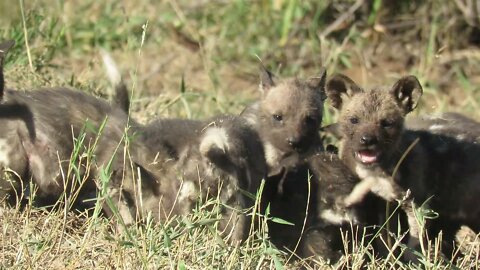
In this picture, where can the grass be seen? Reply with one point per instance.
(195, 59)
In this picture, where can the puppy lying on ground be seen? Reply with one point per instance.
(390, 160)
(192, 161)
(66, 141)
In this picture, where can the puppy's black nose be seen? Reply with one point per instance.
(368, 140)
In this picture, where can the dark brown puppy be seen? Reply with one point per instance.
(319, 188)
(391, 160)
(286, 118)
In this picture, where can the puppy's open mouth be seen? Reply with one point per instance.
(367, 156)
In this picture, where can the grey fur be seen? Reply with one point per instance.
(42, 141)
(181, 153)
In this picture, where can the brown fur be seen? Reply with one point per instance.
(178, 165)
(287, 118)
(39, 131)
(439, 167)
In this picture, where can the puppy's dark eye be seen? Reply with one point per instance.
(277, 117)
(354, 120)
(386, 123)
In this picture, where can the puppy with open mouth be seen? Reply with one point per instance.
(432, 161)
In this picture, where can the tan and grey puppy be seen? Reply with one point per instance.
(39, 141)
(288, 117)
(391, 160)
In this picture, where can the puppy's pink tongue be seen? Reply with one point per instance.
(367, 156)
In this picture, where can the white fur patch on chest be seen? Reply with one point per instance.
(4, 153)
(272, 155)
(214, 137)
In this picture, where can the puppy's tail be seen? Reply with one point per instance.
(120, 96)
(4, 48)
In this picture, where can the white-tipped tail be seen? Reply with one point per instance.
(111, 67)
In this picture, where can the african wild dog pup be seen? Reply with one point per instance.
(371, 125)
(319, 188)
(45, 132)
(192, 161)
(391, 160)
(288, 117)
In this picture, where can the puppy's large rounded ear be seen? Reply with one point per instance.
(340, 86)
(407, 92)
(266, 79)
(318, 82)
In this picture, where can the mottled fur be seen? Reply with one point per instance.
(192, 161)
(213, 158)
(390, 160)
(450, 124)
(287, 118)
(45, 131)
(324, 182)
(57, 119)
